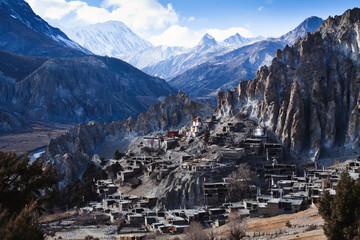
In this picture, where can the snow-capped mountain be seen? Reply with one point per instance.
(152, 55)
(238, 40)
(206, 42)
(224, 71)
(111, 38)
(21, 11)
(206, 49)
(235, 40)
(311, 24)
(64, 84)
(163, 61)
(177, 64)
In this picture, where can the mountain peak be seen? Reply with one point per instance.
(235, 39)
(112, 38)
(206, 42)
(21, 11)
(310, 24)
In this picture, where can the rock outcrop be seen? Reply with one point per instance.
(309, 95)
(71, 152)
(181, 189)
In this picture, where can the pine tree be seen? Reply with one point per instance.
(24, 187)
(325, 205)
(341, 214)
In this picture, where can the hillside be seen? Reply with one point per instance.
(72, 90)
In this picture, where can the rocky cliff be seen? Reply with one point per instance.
(309, 95)
(71, 152)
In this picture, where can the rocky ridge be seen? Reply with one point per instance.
(72, 152)
(309, 95)
(24, 32)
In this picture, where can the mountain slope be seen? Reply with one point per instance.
(204, 51)
(176, 64)
(112, 39)
(71, 152)
(22, 31)
(77, 89)
(21, 11)
(152, 55)
(309, 96)
(310, 24)
(224, 71)
(238, 40)
(70, 90)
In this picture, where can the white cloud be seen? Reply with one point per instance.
(148, 18)
(183, 36)
(142, 16)
(260, 8)
(177, 36)
(221, 34)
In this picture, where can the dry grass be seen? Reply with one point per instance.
(37, 135)
(57, 216)
(275, 227)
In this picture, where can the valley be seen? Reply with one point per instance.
(246, 137)
(36, 135)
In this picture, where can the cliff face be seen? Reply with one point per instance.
(71, 152)
(309, 95)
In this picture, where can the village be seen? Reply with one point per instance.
(209, 152)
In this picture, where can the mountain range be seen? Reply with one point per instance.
(115, 39)
(204, 51)
(224, 71)
(60, 81)
(200, 71)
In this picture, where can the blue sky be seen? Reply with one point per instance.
(183, 22)
(262, 17)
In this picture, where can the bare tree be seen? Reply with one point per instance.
(195, 232)
(240, 181)
(237, 226)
